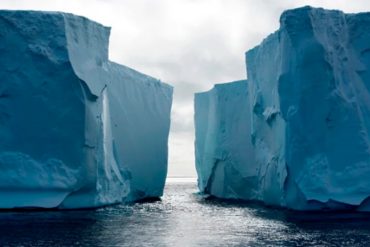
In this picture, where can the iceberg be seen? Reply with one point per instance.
(76, 130)
(223, 147)
(296, 134)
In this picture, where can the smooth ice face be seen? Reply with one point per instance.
(76, 130)
(223, 146)
(309, 109)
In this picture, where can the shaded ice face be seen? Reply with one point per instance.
(73, 124)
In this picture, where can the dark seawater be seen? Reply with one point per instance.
(182, 218)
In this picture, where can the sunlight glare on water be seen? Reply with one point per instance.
(181, 218)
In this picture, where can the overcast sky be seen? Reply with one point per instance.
(190, 44)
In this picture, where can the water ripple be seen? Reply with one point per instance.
(182, 218)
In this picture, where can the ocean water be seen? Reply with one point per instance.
(182, 218)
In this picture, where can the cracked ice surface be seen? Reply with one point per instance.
(76, 130)
(296, 134)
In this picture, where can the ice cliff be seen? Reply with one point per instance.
(296, 134)
(76, 130)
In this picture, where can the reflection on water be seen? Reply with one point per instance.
(181, 219)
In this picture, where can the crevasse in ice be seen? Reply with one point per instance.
(76, 130)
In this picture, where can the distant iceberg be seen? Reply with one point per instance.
(76, 130)
(296, 134)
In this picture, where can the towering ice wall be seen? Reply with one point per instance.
(76, 130)
(223, 147)
(309, 116)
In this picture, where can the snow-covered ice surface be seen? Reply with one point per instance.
(296, 134)
(76, 130)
